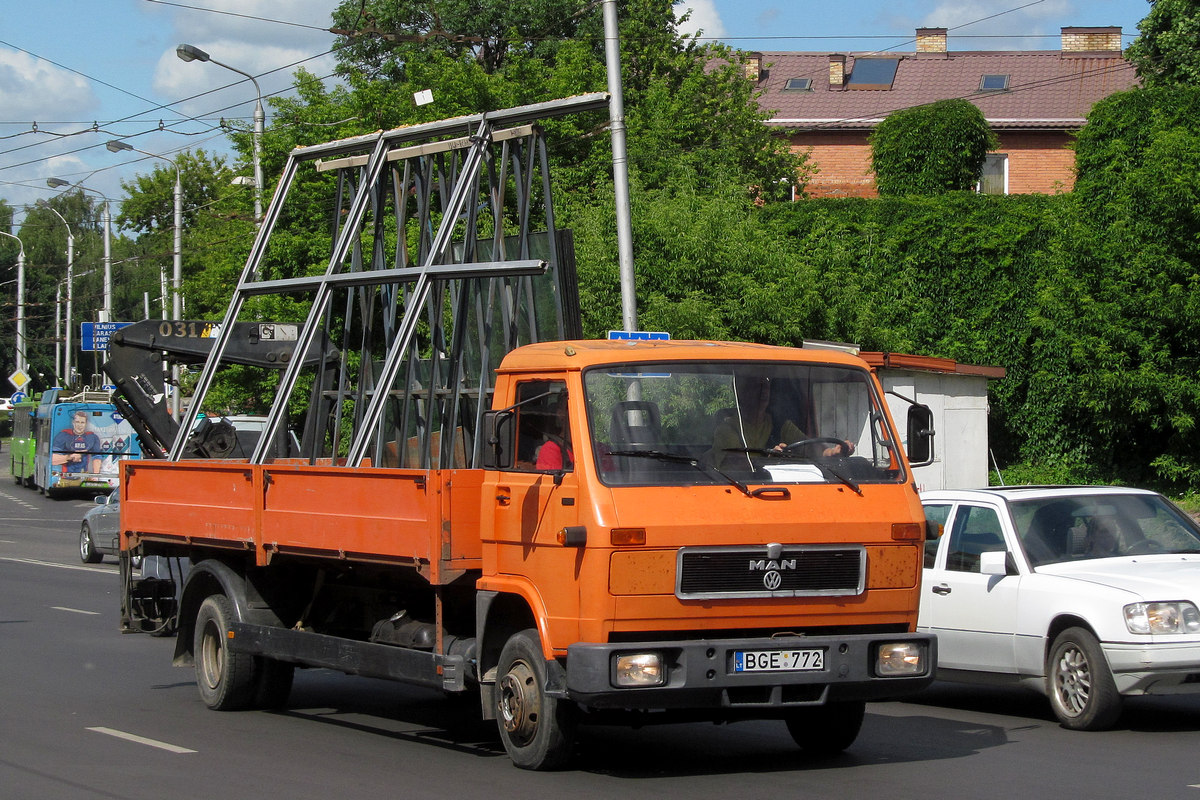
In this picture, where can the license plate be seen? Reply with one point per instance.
(778, 660)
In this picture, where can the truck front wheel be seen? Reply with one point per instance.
(829, 729)
(538, 731)
(226, 680)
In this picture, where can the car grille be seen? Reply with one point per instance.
(814, 570)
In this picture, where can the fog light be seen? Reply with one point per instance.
(900, 658)
(640, 669)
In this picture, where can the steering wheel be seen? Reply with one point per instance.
(829, 440)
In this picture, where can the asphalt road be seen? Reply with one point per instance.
(90, 713)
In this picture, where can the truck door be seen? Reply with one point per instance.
(539, 497)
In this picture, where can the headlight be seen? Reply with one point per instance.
(1176, 617)
(640, 669)
(900, 658)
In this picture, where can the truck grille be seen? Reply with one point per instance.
(773, 571)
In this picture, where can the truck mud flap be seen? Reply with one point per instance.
(349, 656)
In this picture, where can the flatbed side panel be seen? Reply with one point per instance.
(193, 500)
(379, 514)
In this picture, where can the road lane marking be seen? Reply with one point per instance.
(60, 566)
(75, 610)
(129, 737)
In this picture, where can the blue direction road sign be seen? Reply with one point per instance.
(95, 335)
(18, 397)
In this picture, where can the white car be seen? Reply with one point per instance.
(1087, 594)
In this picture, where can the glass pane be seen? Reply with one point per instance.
(976, 530)
(761, 423)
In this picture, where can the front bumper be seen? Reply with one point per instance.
(700, 674)
(1155, 668)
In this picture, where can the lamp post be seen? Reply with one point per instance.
(58, 183)
(22, 361)
(117, 146)
(188, 52)
(66, 375)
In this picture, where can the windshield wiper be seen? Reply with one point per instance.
(679, 458)
(826, 469)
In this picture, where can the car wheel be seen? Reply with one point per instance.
(1081, 687)
(538, 731)
(829, 729)
(88, 553)
(225, 679)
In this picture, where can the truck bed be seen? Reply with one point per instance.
(376, 515)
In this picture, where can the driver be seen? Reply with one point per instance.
(750, 425)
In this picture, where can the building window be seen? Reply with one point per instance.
(798, 85)
(873, 73)
(993, 83)
(994, 178)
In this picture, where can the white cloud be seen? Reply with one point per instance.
(981, 18)
(31, 87)
(704, 18)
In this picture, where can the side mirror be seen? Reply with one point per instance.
(101, 500)
(993, 562)
(499, 441)
(920, 436)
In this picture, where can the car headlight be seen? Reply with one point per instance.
(1176, 617)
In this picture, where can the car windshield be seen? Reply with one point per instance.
(741, 423)
(1073, 528)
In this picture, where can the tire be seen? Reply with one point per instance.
(273, 683)
(226, 680)
(829, 729)
(538, 731)
(1080, 684)
(88, 553)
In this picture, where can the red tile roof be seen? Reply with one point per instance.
(1047, 89)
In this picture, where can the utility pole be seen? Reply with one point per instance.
(616, 114)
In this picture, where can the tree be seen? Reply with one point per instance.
(1165, 51)
(689, 107)
(218, 230)
(1138, 190)
(930, 149)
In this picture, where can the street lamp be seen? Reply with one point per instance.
(188, 52)
(58, 183)
(66, 375)
(22, 361)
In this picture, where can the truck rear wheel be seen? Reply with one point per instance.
(538, 731)
(226, 679)
(829, 729)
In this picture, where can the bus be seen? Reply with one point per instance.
(80, 441)
(21, 447)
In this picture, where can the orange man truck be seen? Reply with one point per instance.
(576, 531)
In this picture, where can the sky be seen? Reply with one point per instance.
(75, 74)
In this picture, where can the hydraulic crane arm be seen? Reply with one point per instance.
(138, 354)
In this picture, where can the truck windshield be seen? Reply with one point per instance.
(749, 423)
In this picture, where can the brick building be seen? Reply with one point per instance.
(1035, 101)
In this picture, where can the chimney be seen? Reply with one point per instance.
(931, 40)
(1080, 40)
(754, 66)
(837, 70)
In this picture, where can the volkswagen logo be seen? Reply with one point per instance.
(772, 580)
